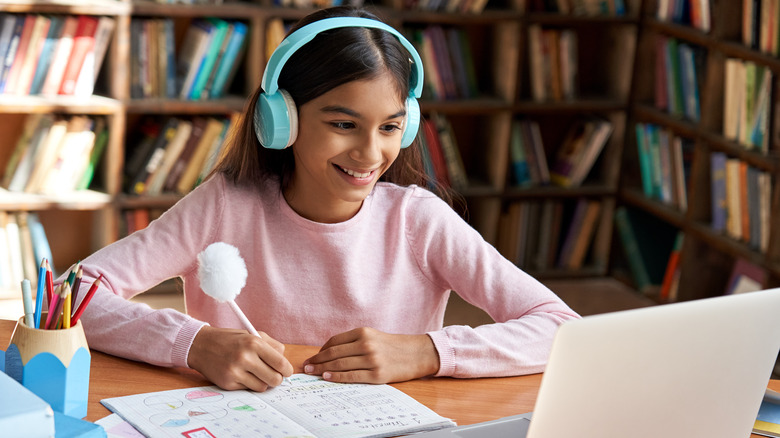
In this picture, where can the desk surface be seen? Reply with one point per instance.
(464, 400)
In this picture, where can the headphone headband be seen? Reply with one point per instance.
(295, 40)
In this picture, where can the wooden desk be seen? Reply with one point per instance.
(464, 400)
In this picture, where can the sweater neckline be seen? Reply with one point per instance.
(325, 227)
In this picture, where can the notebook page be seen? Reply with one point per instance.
(203, 412)
(341, 410)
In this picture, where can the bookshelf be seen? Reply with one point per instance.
(498, 37)
(710, 249)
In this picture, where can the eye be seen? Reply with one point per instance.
(342, 125)
(390, 128)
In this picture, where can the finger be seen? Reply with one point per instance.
(276, 363)
(252, 382)
(343, 338)
(278, 346)
(335, 352)
(341, 364)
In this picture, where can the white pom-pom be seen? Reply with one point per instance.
(221, 271)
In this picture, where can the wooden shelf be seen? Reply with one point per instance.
(81, 200)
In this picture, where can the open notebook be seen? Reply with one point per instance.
(303, 406)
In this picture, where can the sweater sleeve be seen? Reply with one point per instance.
(167, 248)
(527, 313)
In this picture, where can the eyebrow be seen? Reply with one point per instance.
(353, 113)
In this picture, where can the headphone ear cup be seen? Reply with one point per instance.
(412, 124)
(276, 120)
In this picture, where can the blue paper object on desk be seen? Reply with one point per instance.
(22, 413)
(69, 427)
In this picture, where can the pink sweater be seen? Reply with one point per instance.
(390, 267)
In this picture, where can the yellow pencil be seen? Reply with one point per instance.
(66, 308)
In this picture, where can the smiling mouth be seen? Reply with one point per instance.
(354, 174)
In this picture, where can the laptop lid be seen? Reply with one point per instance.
(696, 368)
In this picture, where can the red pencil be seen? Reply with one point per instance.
(49, 281)
(85, 301)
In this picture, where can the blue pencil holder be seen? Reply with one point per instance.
(53, 364)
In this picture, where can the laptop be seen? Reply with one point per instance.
(690, 369)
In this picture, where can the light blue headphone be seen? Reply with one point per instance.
(276, 117)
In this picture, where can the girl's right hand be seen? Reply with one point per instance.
(236, 359)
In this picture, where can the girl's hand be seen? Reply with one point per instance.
(235, 359)
(366, 355)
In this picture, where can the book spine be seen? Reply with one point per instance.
(631, 249)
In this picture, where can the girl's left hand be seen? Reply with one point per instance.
(367, 355)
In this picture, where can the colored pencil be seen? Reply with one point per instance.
(66, 308)
(86, 300)
(57, 321)
(75, 289)
(39, 294)
(55, 298)
(49, 282)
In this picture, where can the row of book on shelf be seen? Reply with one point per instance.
(678, 77)
(56, 154)
(747, 92)
(175, 154)
(578, 7)
(761, 25)
(654, 259)
(52, 54)
(442, 160)
(741, 200)
(664, 164)
(553, 60)
(446, 54)
(551, 234)
(23, 245)
(572, 161)
(199, 66)
(694, 13)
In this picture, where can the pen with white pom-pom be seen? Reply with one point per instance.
(222, 273)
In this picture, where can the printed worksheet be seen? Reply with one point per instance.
(303, 406)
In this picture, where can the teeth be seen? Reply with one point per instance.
(355, 174)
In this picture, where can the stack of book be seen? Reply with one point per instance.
(528, 156)
(207, 62)
(56, 154)
(576, 155)
(553, 58)
(746, 101)
(448, 62)
(174, 155)
(664, 163)
(741, 200)
(52, 54)
(441, 156)
(678, 75)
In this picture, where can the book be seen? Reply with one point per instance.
(198, 125)
(87, 76)
(10, 47)
(304, 406)
(101, 141)
(83, 44)
(31, 59)
(768, 419)
(228, 67)
(193, 51)
(220, 28)
(59, 61)
(585, 235)
(22, 50)
(718, 191)
(520, 173)
(153, 157)
(631, 250)
(29, 267)
(672, 270)
(189, 176)
(156, 180)
(449, 146)
(40, 242)
(47, 53)
(46, 155)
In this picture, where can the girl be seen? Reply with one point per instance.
(343, 249)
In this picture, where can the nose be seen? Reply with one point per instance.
(368, 148)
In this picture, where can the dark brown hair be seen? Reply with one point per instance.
(332, 58)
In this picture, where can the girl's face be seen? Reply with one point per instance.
(347, 138)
